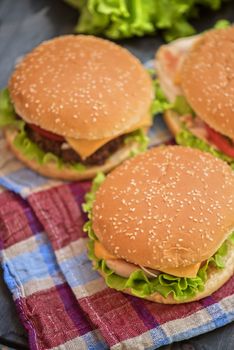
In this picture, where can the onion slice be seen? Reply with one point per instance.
(150, 272)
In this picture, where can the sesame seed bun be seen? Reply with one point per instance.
(207, 79)
(67, 173)
(216, 279)
(81, 87)
(173, 122)
(169, 207)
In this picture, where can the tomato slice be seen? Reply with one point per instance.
(221, 142)
(171, 60)
(47, 134)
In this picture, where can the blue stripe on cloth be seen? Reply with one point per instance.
(97, 345)
(217, 314)
(47, 254)
(206, 327)
(22, 181)
(219, 320)
(11, 279)
(78, 270)
(39, 263)
(159, 336)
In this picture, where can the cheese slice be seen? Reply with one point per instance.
(101, 252)
(87, 147)
(186, 271)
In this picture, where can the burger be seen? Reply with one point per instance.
(76, 105)
(196, 75)
(161, 225)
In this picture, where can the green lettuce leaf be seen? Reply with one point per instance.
(181, 288)
(160, 102)
(7, 113)
(181, 106)
(231, 238)
(119, 19)
(32, 151)
(89, 199)
(222, 24)
(6, 108)
(139, 136)
(186, 138)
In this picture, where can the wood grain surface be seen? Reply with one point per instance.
(24, 24)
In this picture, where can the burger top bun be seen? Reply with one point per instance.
(81, 87)
(207, 79)
(169, 207)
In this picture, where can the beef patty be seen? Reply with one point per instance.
(69, 155)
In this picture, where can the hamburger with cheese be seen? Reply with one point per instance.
(196, 75)
(76, 105)
(161, 225)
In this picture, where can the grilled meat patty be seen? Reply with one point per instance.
(69, 155)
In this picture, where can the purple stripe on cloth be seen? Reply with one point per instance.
(145, 315)
(208, 301)
(78, 191)
(33, 222)
(73, 309)
(32, 338)
(1, 246)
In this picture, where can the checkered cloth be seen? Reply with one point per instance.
(61, 301)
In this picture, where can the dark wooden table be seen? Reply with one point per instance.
(23, 25)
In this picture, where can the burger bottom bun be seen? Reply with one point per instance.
(66, 173)
(216, 279)
(172, 120)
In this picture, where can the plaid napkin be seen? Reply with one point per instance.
(61, 301)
